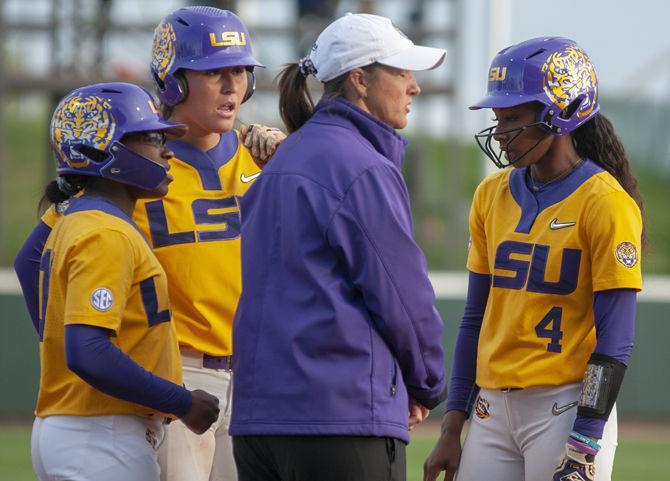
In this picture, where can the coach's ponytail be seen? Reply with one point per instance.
(597, 140)
(295, 102)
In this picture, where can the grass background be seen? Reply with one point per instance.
(441, 176)
(643, 453)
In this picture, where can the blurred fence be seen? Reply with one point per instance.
(56, 45)
(645, 393)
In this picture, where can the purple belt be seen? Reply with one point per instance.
(217, 362)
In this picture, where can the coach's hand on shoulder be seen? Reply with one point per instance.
(446, 454)
(575, 466)
(204, 411)
(262, 141)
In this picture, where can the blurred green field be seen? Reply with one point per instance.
(637, 458)
(441, 176)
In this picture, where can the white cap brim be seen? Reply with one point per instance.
(415, 58)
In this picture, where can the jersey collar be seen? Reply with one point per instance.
(207, 164)
(533, 203)
(89, 202)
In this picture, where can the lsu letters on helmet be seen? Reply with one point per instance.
(198, 38)
(552, 71)
(87, 128)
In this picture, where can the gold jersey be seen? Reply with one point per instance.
(547, 255)
(98, 270)
(195, 233)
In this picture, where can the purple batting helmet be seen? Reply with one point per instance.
(198, 38)
(87, 128)
(553, 71)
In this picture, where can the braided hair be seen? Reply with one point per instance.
(60, 190)
(597, 140)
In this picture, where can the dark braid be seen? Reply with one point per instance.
(55, 193)
(597, 140)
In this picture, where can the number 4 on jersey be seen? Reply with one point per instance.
(553, 317)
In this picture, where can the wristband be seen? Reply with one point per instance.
(585, 440)
(580, 446)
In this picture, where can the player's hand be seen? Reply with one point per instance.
(575, 466)
(417, 413)
(446, 454)
(204, 411)
(262, 141)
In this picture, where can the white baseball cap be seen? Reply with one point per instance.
(360, 39)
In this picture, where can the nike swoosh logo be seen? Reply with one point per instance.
(248, 178)
(555, 225)
(557, 411)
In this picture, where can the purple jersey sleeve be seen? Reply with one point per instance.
(92, 356)
(614, 313)
(27, 267)
(462, 388)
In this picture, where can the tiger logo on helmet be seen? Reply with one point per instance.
(80, 120)
(163, 50)
(569, 73)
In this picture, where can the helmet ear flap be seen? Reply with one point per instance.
(172, 89)
(561, 123)
(251, 84)
(182, 85)
(129, 167)
(572, 107)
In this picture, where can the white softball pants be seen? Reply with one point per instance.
(514, 436)
(96, 448)
(186, 456)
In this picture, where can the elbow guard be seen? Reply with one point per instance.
(600, 388)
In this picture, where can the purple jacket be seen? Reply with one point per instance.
(336, 323)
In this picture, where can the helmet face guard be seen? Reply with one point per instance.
(129, 167)
(485, 140)
(87, 128)
(198, 38)
(554, 72)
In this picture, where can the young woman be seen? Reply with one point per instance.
(203, 68)
(202, 65)
(110, 371)
(336, 338)
(554, 265)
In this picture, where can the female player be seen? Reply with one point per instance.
(203, 68)
(554, 267)
(202, 65)
(108, 349)
(336, 337)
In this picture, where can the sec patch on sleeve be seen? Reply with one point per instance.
(102, 299)
(626, 254)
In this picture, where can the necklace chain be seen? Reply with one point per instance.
(560, 176)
